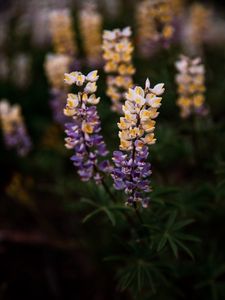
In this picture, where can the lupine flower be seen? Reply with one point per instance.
(19, 189)
(83, 132)
(132, 169)
(191, 86)
(56, 65)
(198, 26)
(63, 35)
(14, 130)
(21, 65)
(90, 19)
(154, 24)
(118, 50)
(177, 7)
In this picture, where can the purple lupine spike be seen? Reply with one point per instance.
(83, 133)
(130, 174)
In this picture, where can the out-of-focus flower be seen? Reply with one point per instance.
(191, 86)
(90, 21)
(63, 35)
(14, 130)
(155, 24)
(19, 189)
(21, 65)
(52, 138)
(56, 65)
(131, 169)
(198, 26)
(117, 54)
(83, 133)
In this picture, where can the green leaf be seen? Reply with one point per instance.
(89, 216)
(148, 275)
(88, 201)
(173, 246)
(171, 219)
(126, 280)
(139, 276)
(188, 237)
(184, 248)
(110, 215)
(182, 224)
(162, 243)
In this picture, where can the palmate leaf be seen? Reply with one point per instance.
(92, 214)
(186, 249)
(140, 275)
(173, 246)
(171, 220)
(126, 280)
(99, 210)
(109, 210)
(173, 235)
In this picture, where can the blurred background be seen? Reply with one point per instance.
(45, 249)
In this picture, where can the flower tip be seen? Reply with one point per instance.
(147, 84)
(158, 89)
(92, 76)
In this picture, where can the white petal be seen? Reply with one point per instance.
(147, 84)
(126, 31)
(92, 76)
(158, 89)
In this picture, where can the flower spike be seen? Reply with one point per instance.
(191, 87)
(137, 126)
(117, 53)
(83, 132)
(14, 130)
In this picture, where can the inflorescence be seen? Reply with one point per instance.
(91, 19)
(154, 24)
(198, 24)
(63, 35)
(56, 65)
(118, 51)
(14, 130)
(191, 86)
(83, 132)
(132, 169)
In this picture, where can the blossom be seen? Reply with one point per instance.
(136, 133)
(63, 35)
(199, 23)
(91, 19)
(83, 132)
(155, 24)
(21, 65)
(14, 130)
(191, 87)
(117, 53)
(56, 65)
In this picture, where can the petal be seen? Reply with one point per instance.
(147, 84)
(92, 76)
(158, 89)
